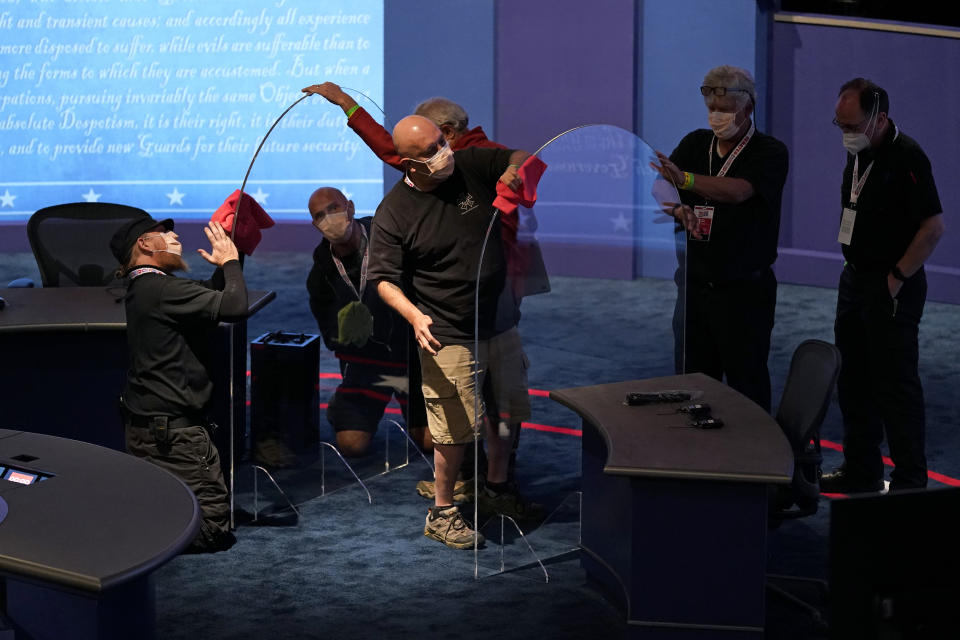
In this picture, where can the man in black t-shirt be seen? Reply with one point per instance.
(425, 255)
(891, 221)
(731, 180)
(170, 322)
(368, 338)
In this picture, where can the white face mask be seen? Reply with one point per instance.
(856, 142)
(173, 245)
(724, 124)
(446, 171)
(440, 165)
(334, 226)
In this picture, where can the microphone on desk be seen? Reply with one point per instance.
(3, 303)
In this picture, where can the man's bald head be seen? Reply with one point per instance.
(323, 198)
(416, 137)
(332, 215)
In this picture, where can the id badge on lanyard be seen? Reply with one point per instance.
(845, 236)
(704, 222)
(705, 213)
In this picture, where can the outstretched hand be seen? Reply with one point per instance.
(685, 216)
(333, 93)
(668, 170)
(222, 247)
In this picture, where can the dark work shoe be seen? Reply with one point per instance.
(509, 503)
(839, 482)
(273, 453)
(447, 525)
(211, 544)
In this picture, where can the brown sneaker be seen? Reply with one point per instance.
(447, 525)
(462, 490)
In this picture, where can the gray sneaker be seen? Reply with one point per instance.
(462, 490)
(448, 526)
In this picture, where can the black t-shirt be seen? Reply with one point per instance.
(170, 322)
(329, 294)
(897, 197)
(743, 238)
(429, 244)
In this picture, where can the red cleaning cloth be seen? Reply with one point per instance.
(252, 218)
(530, 172)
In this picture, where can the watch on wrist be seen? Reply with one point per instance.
(895, 271)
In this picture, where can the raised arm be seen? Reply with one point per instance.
(370, 131)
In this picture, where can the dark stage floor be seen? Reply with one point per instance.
(348, 568)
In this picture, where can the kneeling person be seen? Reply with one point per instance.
(368, 338)
(170, 322)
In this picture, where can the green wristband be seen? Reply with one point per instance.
(351, 110)
(687, 181)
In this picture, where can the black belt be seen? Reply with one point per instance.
(135, 420)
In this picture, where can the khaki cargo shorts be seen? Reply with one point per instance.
(450, 392)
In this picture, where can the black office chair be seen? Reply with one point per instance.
(71, 242)
(803, 406)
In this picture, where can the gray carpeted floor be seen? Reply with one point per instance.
(351, 569)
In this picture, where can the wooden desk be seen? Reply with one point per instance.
(77, 550)
(675, 518)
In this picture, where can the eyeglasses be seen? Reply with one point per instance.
(705, 91)
(849, 128)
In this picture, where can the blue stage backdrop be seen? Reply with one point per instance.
(161, 104)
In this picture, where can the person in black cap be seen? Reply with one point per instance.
(169, 325)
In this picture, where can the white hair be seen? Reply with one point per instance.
(733, 78)
(443, 111)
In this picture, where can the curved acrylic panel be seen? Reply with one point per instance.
(291, 435)
(312, 125)
(600, 263)
(594, 275)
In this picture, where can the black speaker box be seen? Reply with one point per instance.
(284, 402)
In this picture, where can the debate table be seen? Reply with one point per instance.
(85, 527)
(674, 518)
(63, 362)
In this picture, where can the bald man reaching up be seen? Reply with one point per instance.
(425, 255)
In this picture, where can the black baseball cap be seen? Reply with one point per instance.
(121, 244)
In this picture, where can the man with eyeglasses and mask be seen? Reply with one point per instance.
(505, 386)
(368, 338)
(891, 221)
(170, 324)
(425, 257)
(731, 179)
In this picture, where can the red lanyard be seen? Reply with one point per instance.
(733, 155)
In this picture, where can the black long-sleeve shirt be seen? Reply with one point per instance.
(170, 325)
